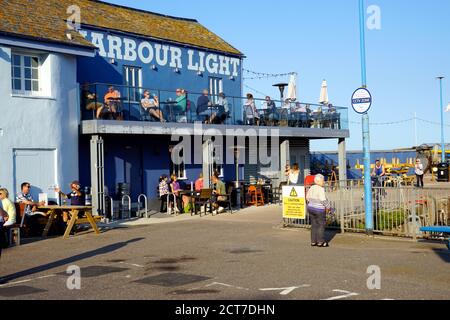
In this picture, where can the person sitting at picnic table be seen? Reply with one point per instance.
(163, 192)
(223, 114)
(8, 207)
(251, 113)
(203, 104)
(112, 103)
(175, 190)
(30, 211)
(76, 197)
(219, 193)
(24, 197)
(150, 104)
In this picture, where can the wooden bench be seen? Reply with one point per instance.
(438, 229)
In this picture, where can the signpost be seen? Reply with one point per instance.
(294, 203)
(361, 101)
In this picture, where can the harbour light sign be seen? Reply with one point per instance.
(131, 50)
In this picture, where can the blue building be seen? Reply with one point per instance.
(60, 57)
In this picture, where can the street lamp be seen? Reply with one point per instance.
(237, 153)
(281, 86)
(442, 120)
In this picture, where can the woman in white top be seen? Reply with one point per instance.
(318, 207)
(419, 173)
(8, 207)
(251, 113)
(293, 174)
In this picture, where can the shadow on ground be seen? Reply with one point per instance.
(63, 262)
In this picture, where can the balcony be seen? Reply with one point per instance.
(120, 109)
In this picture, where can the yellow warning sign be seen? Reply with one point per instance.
(294, 203)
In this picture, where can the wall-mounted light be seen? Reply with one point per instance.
(232, 78)
(153, 67)
(176, 70)
(199, 73)
(112, 61)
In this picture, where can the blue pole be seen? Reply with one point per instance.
(442, 122)
(365, 126)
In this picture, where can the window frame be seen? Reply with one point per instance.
(23, 77)
(133, 86)
(215, 87)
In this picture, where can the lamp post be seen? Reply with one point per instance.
(281, 86)
(237, 154)
(365, 126)
(442, 120)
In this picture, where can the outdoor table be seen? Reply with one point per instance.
(54, 211)
(192, 195)
(170, 105)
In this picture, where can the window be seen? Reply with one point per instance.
(177, 169)
(25, 74)
(215, 87)
(133, 81)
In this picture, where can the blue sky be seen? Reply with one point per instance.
(320, 40)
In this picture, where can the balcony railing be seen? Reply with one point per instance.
(100, 101)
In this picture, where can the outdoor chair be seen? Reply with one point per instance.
(255, 196)
(203, 200)
(14, 231)
(227, 201)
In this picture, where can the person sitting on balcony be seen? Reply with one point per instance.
(112, 103)
(181, 102)
(225, 112)
(271, 110)
(251, 113)
(151, 106)
(89, 99)
(203, 105)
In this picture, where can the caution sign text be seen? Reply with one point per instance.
(294, 203)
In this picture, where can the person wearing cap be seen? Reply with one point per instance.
(76, 196)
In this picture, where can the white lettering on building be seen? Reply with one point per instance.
(127, 49)
(130, 50)
(148, 56)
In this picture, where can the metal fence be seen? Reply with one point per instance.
(400, 211)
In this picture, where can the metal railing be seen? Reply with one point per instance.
(125, 103)
(397, 211)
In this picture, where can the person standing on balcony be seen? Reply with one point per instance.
(223, 102)
(419, 173)
(318, 207)
(251, 113)
(151, 106)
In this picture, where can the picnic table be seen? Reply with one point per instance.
(440, 230)
(74, 212)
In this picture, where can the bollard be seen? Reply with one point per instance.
(146, 204)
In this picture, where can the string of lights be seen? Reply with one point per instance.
(262, 75)
(256, 91)
(399, 122)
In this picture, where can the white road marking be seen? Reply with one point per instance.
(132, 264)
(225, 285)
(25, 281)
(347, 294)
(286, 291)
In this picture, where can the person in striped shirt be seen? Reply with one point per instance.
(318, 207)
